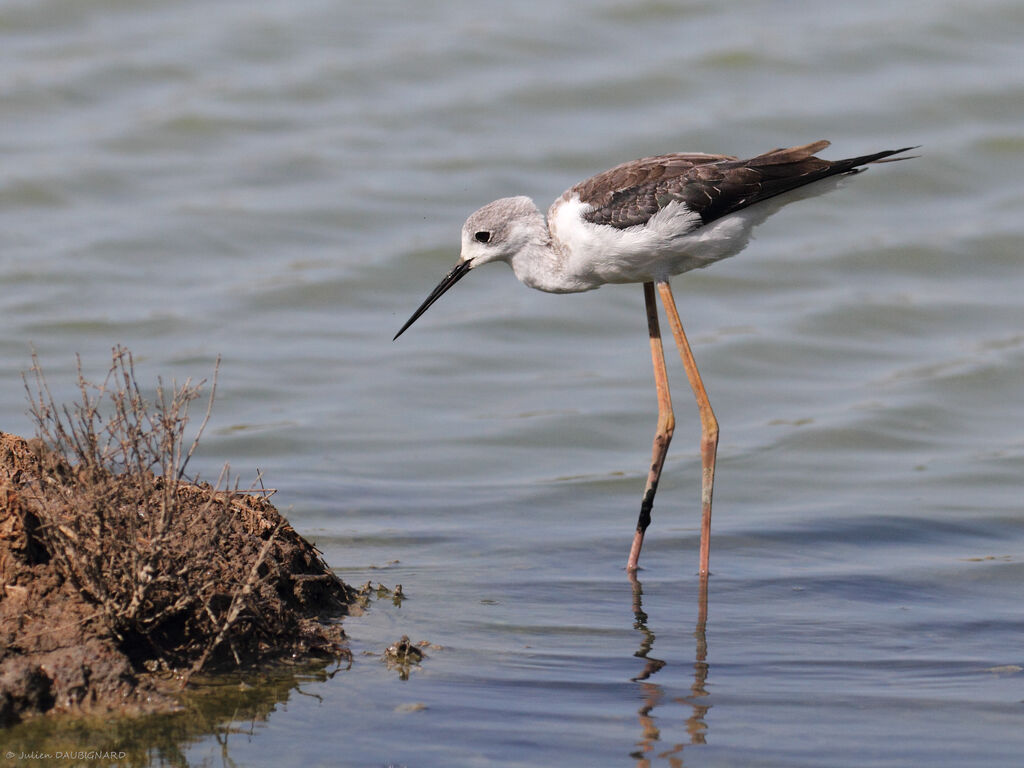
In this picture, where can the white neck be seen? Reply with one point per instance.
(541, 264)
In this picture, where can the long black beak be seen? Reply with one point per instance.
(449, 280)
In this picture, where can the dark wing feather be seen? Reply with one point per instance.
(710, 185)
(627, 194)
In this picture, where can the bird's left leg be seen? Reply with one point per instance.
(666, 425)
(708, 422)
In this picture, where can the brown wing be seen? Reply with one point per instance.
(626, 195)
(711, 186)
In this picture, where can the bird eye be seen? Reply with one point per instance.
(483, 237)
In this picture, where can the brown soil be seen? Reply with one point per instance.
(257, 591)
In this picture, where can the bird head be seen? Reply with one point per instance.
(496, 232)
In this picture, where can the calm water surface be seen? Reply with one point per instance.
(281, 185)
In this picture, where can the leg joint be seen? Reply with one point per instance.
(666, 425)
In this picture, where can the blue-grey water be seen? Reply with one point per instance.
(282, 184)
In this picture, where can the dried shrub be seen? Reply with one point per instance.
(182, 573)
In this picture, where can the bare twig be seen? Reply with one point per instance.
(237, 602)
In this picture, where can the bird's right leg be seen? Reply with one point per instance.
(708, 422)
(666, 425)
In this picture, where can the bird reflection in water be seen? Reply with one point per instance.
(654, 694)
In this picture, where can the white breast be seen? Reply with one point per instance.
(670, 243)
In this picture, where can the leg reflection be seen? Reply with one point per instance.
(696, 726)
(640, 624)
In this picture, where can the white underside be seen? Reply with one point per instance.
(670, 243)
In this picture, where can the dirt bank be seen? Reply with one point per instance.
(100, 613)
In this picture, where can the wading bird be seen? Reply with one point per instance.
(643, 222)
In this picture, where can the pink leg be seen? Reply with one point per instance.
(708, 422)
(666, 425)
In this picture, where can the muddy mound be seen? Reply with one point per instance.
(115, 586)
